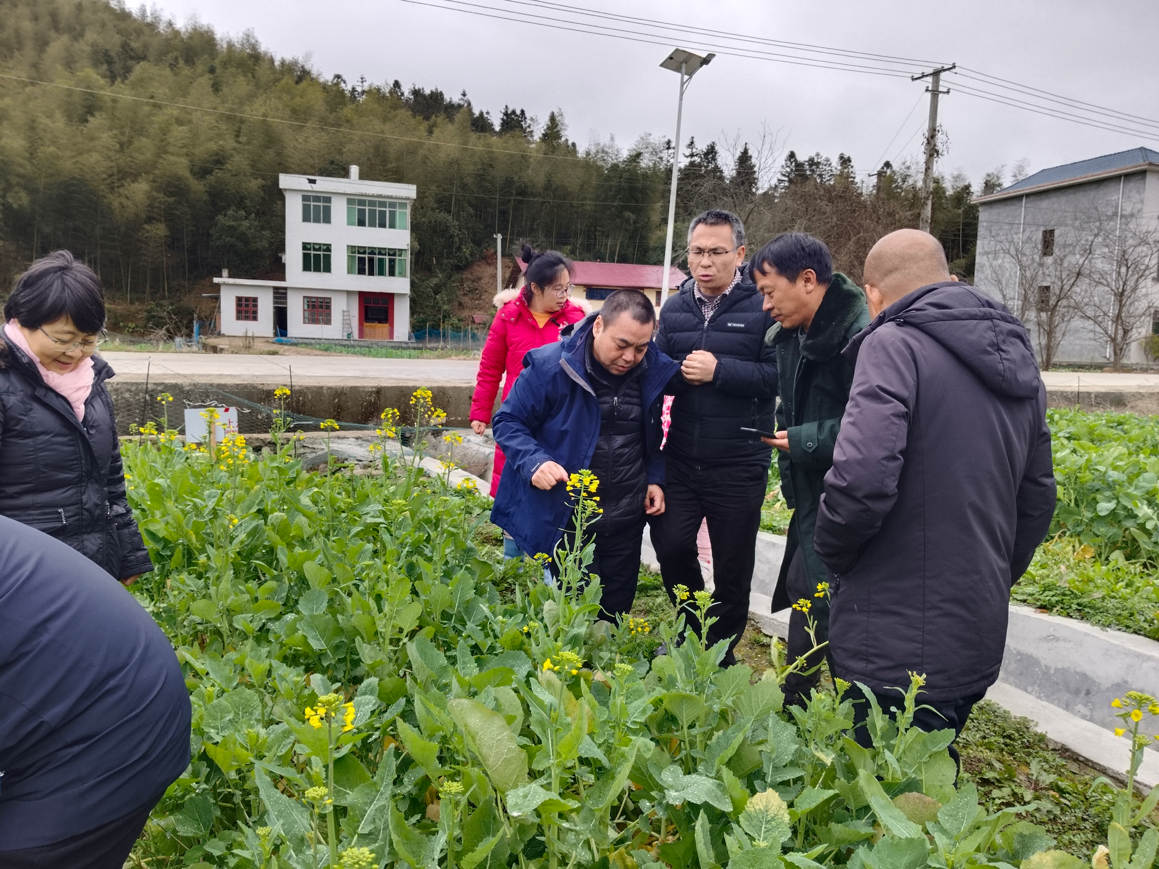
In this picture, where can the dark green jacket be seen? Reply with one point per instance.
(813, 382)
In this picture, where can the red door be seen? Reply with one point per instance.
(376, 316)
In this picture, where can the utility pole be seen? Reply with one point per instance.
(934, 91)
(498, 263)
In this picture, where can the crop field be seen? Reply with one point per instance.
(372, 687)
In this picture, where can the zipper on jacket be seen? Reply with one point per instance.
(60, 510)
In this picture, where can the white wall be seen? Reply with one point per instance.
(401, 317)
(339, 301)
(230, 325)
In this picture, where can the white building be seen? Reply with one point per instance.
(347, 265)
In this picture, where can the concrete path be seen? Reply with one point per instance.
(349, 369)
(337, 370)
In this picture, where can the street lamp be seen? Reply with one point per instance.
(686, 63)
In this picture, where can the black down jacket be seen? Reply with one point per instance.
(619, 459)
(707, 418)
(942, 486)
(61, 476)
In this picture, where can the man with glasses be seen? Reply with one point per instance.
(715, 328)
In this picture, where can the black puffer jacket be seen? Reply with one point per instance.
(61, 476)
(618, 461)
(941, 488)
(707, 418)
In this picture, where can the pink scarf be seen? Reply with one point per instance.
(75, 386)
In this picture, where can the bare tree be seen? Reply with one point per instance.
(1046, 283)
(1120, 289)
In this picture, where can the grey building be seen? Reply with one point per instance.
(1074, 251)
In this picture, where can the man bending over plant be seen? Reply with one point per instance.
(590, 401)
(942, 485)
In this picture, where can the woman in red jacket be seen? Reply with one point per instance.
(533, 318)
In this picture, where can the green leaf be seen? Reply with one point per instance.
(704, 843)
(377, 816)
(492, 742)
(917, 807)
(195, 818)
(424, 752)
(605, 791)
(484, 843)
(1145, 854)
(810, 798)
(524, 800)
(760, 700)
(724, 745)
(888, 815)
(957, 816)
(422, 852)
(313, 602)
(685, 708)
(680, 788)
(766, 819)
(756, 858)
(892, 853)
(317, 575)
(429, 664)
(1053, 860)
(1023, 839)
(286, 816)
(205, 609)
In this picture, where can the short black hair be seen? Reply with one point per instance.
(717, 217)
(631, 302)
(56, 286)
(790, 253)
(542, 268)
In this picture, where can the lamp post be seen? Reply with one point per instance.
(686, 63)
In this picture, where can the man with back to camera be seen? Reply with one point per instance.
(942, 486)
(715, 328)
(817, 312)
(590, 401)
(94, 712)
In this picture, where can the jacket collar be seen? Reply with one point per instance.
(657, 369)
(840, 307)
(517, 308)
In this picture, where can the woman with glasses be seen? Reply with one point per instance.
(531, 319)
(60, 461)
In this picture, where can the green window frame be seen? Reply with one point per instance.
(381, 262)
(376, 213)
(315, 208)
(315, 257)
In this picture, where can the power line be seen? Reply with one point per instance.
(1057, 114)
(742, 37)
(643, 38)
(885, 150)
(995, 81)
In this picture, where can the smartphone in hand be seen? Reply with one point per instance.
(758, 432)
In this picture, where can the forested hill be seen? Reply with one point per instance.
(153, 151)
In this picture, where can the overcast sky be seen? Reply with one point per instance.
(1100, 53)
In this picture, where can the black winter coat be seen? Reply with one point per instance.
(61, 476)
(707, 418)
(814, 380)
(941, 488)
(95, 716)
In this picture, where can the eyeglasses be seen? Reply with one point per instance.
(85, 346)
(560, 291)
(695, 254)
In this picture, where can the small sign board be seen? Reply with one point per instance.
(197, 427)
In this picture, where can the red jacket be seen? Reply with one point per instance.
(512, 334)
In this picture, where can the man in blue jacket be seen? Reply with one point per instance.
(94, 712)
(591, 401)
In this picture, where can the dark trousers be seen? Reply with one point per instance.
(106, 847)
(729, 496)
(616, 561)
(799, 644)
(930, 715)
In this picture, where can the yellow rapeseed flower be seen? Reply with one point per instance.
(803, 605)
(1119, 731)
(1117, 703)
(1136, 715)
(547, 665)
